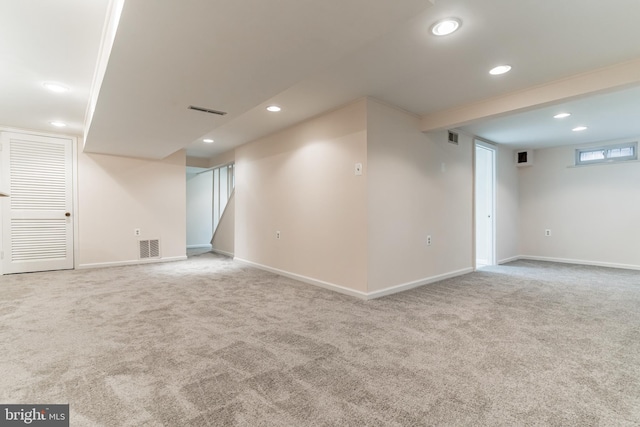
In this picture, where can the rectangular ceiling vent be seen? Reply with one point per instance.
(149, 249)
(207, 110)
(453, 138)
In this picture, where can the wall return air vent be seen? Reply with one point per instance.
(453, 138)
(149, 248)
(524, 158)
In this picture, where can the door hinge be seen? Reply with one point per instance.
(2, 255)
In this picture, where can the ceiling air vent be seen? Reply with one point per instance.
(149, 249)
(453, 138)
(207, 110)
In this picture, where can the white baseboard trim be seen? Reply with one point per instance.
(352, 292)
(131, 262)
(305, 279)
(221, 252)
(207, 246)
(581, 262)
(506, 260)
(417, 283)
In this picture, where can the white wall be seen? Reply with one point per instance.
(301, 182)
(418, 185)
(222, 159)
(199, 209)
(117, 195)
(224, 240)
(366, 233)
(197, 162)
(507, 206)
(592, 211)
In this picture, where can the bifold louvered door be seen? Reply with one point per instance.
(37, 215)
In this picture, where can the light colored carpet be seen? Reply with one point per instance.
(208, 342)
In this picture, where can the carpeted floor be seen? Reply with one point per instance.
(208, 342)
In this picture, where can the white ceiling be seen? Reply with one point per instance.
(306, 56)
(48, 41)
(608, 116)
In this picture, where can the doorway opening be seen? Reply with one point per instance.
(209, 191)
(485, 179)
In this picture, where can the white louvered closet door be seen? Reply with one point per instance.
(37, 221)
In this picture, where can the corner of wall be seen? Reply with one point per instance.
(223, 239)
(418, 186)
(301, 182)
(117, 195)
(589, 210)
(507, 206)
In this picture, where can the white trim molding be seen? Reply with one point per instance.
(352, 292)
(204, 246)
(131, 262)
(580, 262)
(417, 283)
(220, 252)
(510, 259)
(305, 279)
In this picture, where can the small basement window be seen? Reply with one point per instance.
(611, 153)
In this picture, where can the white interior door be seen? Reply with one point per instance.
(36, 222)
(485, 204)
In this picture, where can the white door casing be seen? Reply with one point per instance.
(37, 222)
(485, 204)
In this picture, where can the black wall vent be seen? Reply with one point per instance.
(453, 138)
(524, 158)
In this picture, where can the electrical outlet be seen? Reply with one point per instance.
(429, 240)
(277, 235)
(136, 231)
(547, 232)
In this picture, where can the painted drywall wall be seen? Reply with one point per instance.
(592, 211)
(507, 206)
(223, 240)
(222, 159)
(198, 162)
(418, 185)
(117, 195)
(199, 209)
(301, 182)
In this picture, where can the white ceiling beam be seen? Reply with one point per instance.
(610, 78)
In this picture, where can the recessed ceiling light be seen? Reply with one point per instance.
(579, 128)
(274, 108)
(208, 140)
(55, 87)
(446, 26)
(561, 115)
(500, 69)
(58, 124)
